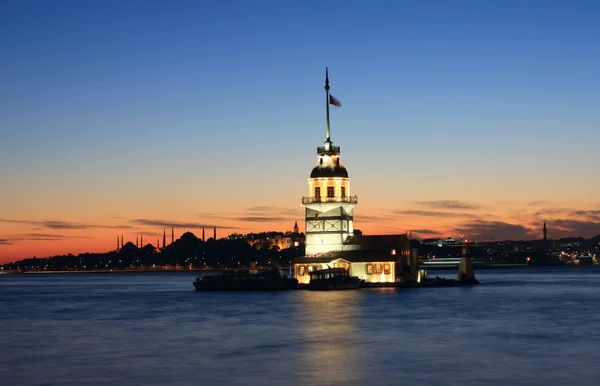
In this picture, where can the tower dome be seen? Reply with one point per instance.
(329, 166)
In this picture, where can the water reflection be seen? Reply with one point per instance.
(327, 326)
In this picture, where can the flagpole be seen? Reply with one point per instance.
(327, 101)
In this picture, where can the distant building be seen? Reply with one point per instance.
(329, 221)
(276, 239)
(443, 242)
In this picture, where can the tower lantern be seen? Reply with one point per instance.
(329, 206)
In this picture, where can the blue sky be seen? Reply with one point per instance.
(127, 92)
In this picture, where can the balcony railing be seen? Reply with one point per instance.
(330, 149)
(312, 200)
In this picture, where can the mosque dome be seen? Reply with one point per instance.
(189, 236)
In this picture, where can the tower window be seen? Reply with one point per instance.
(330, 192)
(318, 192)
(343, 192)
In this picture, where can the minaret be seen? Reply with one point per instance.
(136, 241)
(117, 243)
(172, 235)
(157, 243)
(545, 232)
(329, 212)
(121, 241)
(164, 238)
(215, 233)
(296, 228)
(203, 239)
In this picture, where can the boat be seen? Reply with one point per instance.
(478, 262)
(247, 280)
(333, 279)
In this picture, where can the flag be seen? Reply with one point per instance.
(334, 101)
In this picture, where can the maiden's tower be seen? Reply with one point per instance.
(329, 218)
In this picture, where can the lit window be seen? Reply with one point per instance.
(301, 270)
(393, 252)
(378, 269)
(330, 192)
(386, 268)
(369, 269)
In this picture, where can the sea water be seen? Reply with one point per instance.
(519, 327)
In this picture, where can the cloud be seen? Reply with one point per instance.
(258, 214)
(434, 213)
(425, 232)
(217, 215)
(563, 228)
(269, 214)
(262, 218)
(56, 224)
(494, 230)
(273, 209)
(549, 213)
(152, 234)
(63, 225)
(19, 239)
(589, 214)
(18, 221)
(369, 218)
(448, 204)
(175, 224)
(5, 242)
(40, 237)
(44, 235)
(537, 203)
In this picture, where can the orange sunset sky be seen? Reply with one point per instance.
(88, 217)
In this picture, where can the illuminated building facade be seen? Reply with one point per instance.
(276, 240)
(329, 218)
